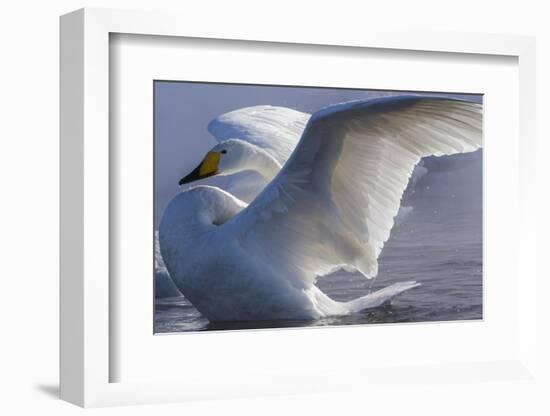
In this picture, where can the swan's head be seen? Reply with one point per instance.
(227, 157)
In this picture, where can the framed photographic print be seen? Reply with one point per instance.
(335, 198)
(433, 212)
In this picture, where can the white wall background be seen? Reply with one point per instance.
(29, 201)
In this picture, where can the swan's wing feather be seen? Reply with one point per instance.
(333, 203)
(274, 129)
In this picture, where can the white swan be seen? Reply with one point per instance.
(331, 206)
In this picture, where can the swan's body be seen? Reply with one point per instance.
(218, 282)
(330, 206)
(223, 281)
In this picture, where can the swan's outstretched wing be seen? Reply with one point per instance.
(333, 203)
(274, 129)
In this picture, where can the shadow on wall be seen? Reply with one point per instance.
(51, 390)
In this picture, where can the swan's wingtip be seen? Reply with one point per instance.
(404, 286)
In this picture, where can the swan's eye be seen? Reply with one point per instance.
(223, 152)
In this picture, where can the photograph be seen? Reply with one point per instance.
(303, 206)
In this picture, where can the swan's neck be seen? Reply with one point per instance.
(191, 220)
(263, 163)
(204, 206)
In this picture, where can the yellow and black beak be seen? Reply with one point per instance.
(208, 167)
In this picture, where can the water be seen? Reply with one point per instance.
(438, 243)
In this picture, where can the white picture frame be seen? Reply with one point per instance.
(86, 353)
